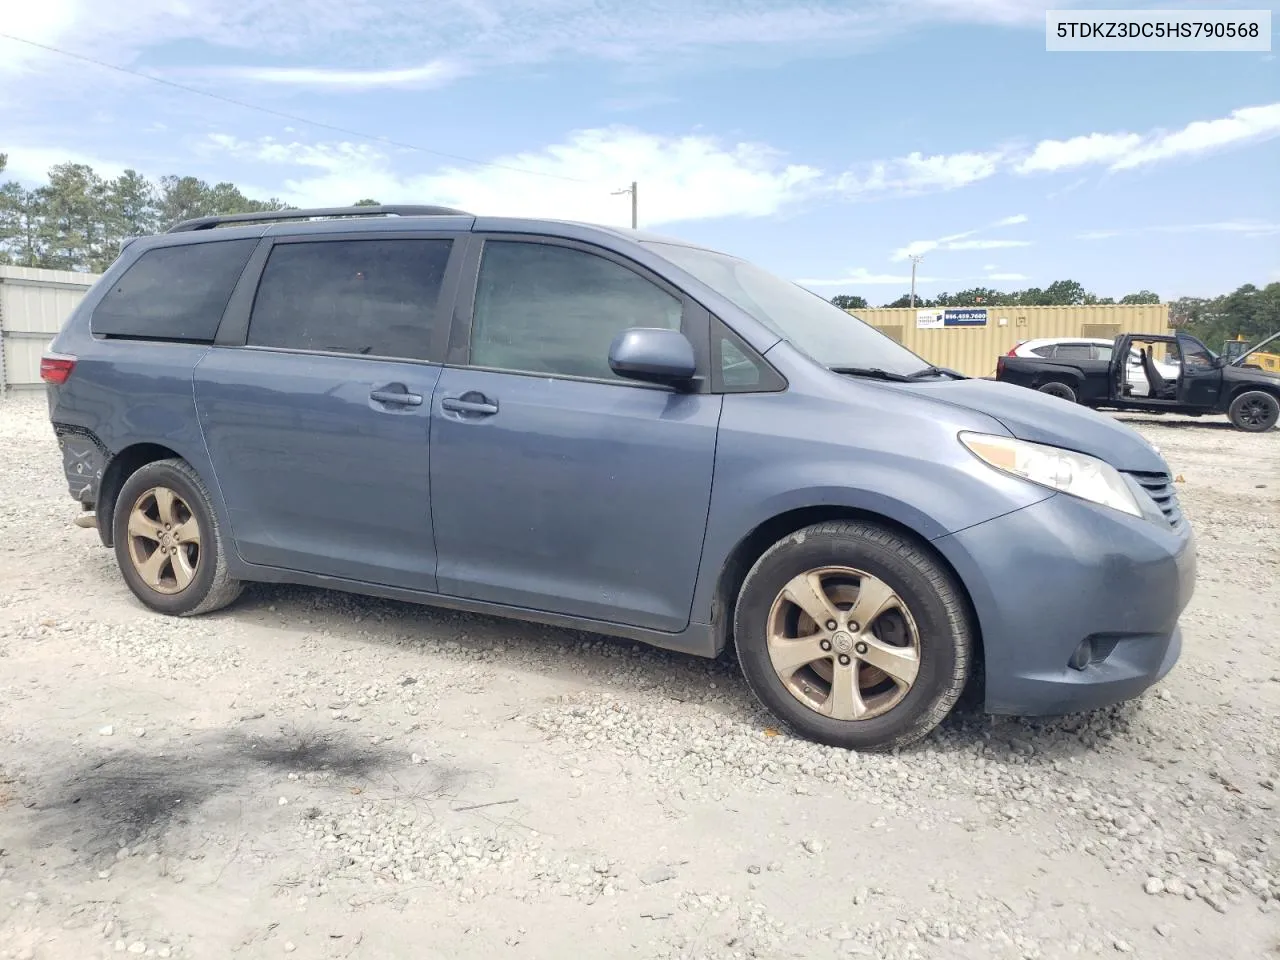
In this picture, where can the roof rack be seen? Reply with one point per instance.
(398, 210)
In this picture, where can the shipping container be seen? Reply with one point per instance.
(969, 339)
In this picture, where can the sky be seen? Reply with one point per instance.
(827, 140)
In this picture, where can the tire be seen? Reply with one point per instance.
(1056, 388)
(1255, 411)
(842, 555)
(193, 578)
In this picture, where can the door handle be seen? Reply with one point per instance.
(482, 406)
(397, 397)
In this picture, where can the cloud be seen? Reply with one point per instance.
(1125, 151)
(334, 42)
(433, 74)
(987, 244)
(916, 173)
(961, 241)
(861, 276)
(681, 178)
(1245, 125)
(30, 165)
(1248, 228)
(1053, 155)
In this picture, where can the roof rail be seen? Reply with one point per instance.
(399, 210)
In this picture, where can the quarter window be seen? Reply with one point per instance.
(174, 293)
(548, 309)
(371, 297)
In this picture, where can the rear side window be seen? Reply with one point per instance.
(1074, 351)
(1045, 351)
(174, 293)
(372, 297)
(542, 308)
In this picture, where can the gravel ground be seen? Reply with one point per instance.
(334, 776)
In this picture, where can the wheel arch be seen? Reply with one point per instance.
(1238, 389)
(765, 534)
(119, 468)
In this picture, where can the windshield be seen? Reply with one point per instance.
(823, 331)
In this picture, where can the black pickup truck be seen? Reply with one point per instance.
(1206, 382)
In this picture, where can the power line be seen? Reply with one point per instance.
(287, 116)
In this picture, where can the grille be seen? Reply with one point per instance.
(1159, 487)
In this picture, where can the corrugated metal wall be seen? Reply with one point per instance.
(33, 305)
(973, 349)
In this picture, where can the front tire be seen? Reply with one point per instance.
(853, 636)
(167, 541)
(1255, 411)
(1056, 388)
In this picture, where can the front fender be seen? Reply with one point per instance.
(778, 453)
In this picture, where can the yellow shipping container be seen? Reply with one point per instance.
(963, 343)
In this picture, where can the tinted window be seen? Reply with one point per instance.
(809, 322)
(174, 293)
(1193, 354)
(1074, 351)
(1045, 351)
(372, 297)
(548, 309)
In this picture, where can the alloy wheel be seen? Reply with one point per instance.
(843, 643)
(164, 540)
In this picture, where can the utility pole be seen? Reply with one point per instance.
(634, 204)
(914, 260)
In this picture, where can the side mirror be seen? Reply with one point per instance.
(654, 355)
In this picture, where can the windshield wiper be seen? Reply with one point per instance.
(937, 372)
(874, 373)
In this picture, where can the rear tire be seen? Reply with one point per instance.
(904, 666)
(1255, 411)
(168, 543)
(1056, 388)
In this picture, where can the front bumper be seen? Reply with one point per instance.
(1046, 578)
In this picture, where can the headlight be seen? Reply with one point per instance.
(1065, 470)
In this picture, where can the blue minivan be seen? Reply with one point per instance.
(615, 432)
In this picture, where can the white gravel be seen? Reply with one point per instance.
(334, 776)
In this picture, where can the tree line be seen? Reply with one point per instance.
(1250, 312)
(1060, 293)
(78, 220)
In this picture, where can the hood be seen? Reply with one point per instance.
(1038, 418)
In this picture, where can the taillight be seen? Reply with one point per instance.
(1013, 351)
(56, 367)
(1000, 365)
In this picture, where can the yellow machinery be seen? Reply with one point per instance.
(1231, 349)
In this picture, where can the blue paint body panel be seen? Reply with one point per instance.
(618, 506)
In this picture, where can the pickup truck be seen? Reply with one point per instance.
(1206, 383)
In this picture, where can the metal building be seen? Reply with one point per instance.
(969, 339)
(33, 305)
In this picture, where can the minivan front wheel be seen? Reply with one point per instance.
(167, 541)
(854, 636)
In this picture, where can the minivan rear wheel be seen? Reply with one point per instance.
(853, 635)
(167, 541)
